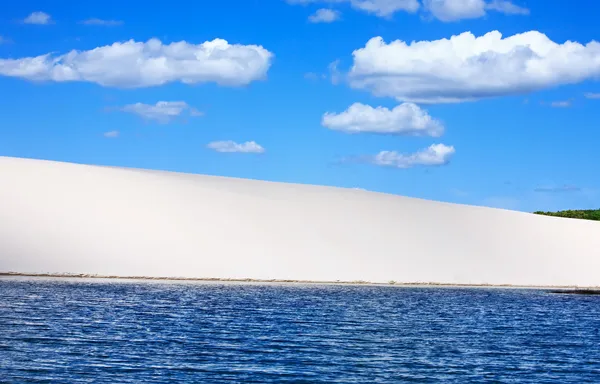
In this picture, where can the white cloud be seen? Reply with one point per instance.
(100, 22)
(404, 119)
(385, 8)
(314, 76)
(466, 67)
(506, 7)
(334, 72)
(381, 8)
(232, 146)
(454, 10)
(459, 192)
(561, 104)
(134, 64)
(4, 40)
(111, 134)
(39, 18)
(590, 95)
(444, 10)
(162, 111)
(324, 15)
(195, 113)
(434, 155)
(557, 189)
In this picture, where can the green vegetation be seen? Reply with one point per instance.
(587, 214)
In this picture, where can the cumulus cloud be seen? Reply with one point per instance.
(324, 15)
(162, 111)
(453, 10)
(404, 119)
(111, 134)
(381, 8)
(466, 67)
(231, 146)
(100, 22)
(132, 64)
(39, 18)
(434, 155)
(555, 189)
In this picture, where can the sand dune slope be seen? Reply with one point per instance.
(69, 218)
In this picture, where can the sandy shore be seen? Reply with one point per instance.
(87, 278)
(61, 218)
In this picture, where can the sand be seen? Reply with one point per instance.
(64, 218)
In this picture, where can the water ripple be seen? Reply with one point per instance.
(93, 331)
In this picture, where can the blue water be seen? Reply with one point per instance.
(96, 331)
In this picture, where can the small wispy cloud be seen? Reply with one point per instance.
(459, 192)
(590, 95)
(39, 18)
(314, 76)
(557, 189)
(561, 104)
(334, 72)
(324, 15)
(380, 8)
(232, 147)
(101, 22)
(111, 134)
(453, 10)
(4, 40)
(162, 111)
(444, 10)
(507, 7)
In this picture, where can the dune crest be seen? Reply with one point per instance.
(80, 219)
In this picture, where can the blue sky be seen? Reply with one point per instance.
(504, 121)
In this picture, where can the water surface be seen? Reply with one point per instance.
(62, 331)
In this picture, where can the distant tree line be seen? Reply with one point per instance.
(585, 214)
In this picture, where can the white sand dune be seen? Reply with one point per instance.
(70, 218)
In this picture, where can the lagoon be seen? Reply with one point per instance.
(77, 330)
